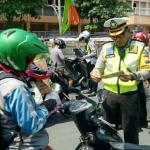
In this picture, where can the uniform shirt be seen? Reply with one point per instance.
(57, 56)
(100, 65)
(90, 53)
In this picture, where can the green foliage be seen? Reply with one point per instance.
(18, 8)
(98, 11)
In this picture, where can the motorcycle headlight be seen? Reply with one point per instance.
(56, 87)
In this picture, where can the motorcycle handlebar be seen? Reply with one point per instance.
(95, 121)
(104, 121)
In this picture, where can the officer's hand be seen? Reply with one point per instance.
(95, 76)
(126, 76)
(147, 83)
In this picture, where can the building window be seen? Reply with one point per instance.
(53, 27)
(134, 4)
(48, 11)
(2, 26)
(37, 27)
(149, 9)
(49, 2)
(74, 28)
(143, 9)
(38, 11)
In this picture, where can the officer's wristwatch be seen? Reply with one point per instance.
(134, 77)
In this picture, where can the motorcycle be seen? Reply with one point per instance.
(96, 133)
(60, 86)
(77, 66)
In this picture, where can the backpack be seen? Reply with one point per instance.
(3, 143)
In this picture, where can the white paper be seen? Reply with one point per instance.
(112, 75)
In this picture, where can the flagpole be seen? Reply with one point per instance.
(59, 16)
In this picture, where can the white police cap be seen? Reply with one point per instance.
(116, 25)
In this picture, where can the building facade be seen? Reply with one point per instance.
(141, 13)
(47, 25)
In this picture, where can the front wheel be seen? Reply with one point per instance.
(81, 146)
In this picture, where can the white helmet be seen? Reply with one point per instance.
(84, 35)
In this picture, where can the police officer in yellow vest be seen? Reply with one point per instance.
(123, 54)
(90, 58)
(145, 95)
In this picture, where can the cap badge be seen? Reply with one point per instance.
(113, 24)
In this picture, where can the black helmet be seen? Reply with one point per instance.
(61, 43)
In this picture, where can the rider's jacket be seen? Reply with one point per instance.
(18, 108)
(128, 63)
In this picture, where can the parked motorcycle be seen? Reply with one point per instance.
(96, 133)
(77, 66)
(60, 86)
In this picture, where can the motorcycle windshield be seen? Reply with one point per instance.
(108, 134)
(125, 146)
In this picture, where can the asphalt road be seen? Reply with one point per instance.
(64, 134)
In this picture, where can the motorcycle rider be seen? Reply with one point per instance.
(34, 73)
(17, 107)
(90, 57)
(122, 100)
(58, 60)
(144, 37)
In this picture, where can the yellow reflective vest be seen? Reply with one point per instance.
(145, 59)
(113, 63)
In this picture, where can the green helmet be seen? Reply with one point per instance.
(16, 46)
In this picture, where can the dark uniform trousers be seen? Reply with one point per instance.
(92, 85)
(127, 107)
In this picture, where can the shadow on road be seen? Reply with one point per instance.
(57, 119)
(145, 147)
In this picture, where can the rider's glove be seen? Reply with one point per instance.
(50, 104)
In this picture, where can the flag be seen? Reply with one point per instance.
(70, 16)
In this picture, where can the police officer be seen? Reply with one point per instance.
(144, 37)
(123, 54)
(90, 58)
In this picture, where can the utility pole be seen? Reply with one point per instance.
(57, 10)
(59, 16)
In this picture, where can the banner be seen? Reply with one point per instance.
(70, 16)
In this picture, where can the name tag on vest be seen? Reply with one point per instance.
(109, 53)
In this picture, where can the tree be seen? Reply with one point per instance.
(98, 11)
(18, 8)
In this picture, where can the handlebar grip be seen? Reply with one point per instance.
(95, 121)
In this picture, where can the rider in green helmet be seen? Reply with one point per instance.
(17, 106)
(17, 46)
